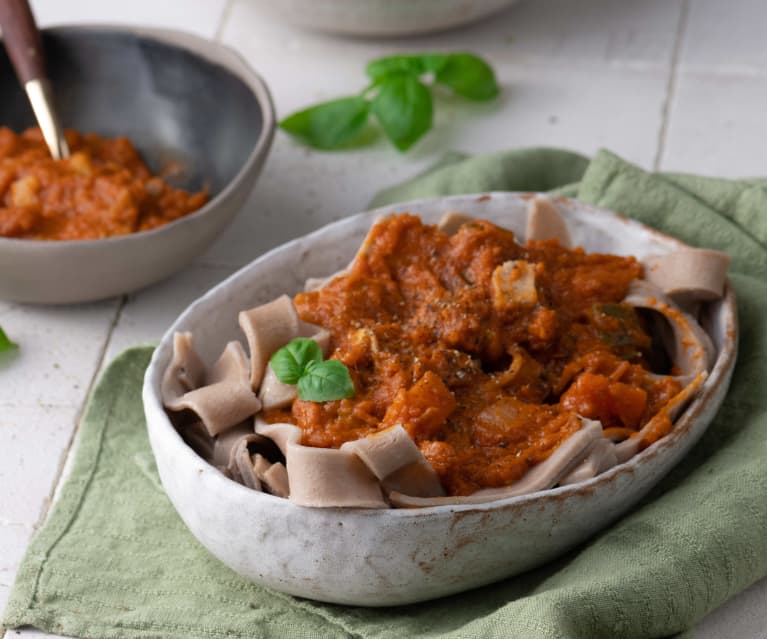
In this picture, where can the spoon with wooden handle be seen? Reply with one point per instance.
(25, 49)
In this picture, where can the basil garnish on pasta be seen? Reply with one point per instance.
(300, 363)
(290, 363)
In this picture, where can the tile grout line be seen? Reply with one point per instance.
(671, 84)
(225, 14)
(70, 443)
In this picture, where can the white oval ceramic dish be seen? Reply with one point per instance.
(387, 557)
(394, 18)
(179, 98)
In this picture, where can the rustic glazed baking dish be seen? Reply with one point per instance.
(181, 99)
(388, 557)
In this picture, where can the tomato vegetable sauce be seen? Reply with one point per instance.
(485, 350)
(103, 189)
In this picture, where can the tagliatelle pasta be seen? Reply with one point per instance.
(690, 274)
(392, 456)
(482, 368)
(220, 397)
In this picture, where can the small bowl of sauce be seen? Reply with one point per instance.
(103, 189)
(168, 135)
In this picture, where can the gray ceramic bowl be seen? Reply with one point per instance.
(387, 557)
(180, 99)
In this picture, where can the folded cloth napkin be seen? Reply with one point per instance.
(114, 559)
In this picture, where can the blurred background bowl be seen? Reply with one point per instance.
(381, 17)
(181, 100)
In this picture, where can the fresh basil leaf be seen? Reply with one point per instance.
(433, 62)
(326, 381)
(401, 103)
(414, 64)
(329, 125)
(382, 67)
(468, 76)
(6, 344)
(403, 106)
(292, 361)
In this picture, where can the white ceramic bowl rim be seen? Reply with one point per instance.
(216, 53)
(724, 362)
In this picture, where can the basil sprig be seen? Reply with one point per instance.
(398, 98)
(300, 363)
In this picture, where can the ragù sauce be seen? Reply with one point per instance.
(485, 350)
(102, 189)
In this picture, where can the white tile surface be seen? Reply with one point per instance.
(716, 124)
(60, 348)
(575, 74)
(635, 34)
(34, 441)
(726, 37)
(198, 16)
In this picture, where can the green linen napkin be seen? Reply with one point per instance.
(114, 559)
